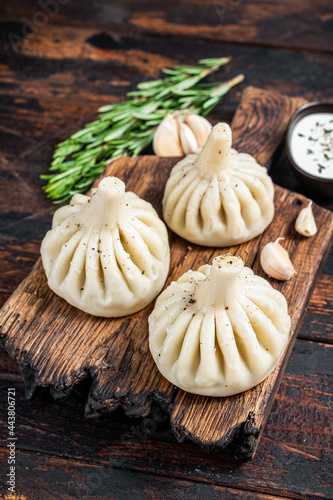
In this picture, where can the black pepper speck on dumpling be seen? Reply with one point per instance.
(219, 330)
(218, 197)
(107, 254)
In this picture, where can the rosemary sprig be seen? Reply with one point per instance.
(126, 128)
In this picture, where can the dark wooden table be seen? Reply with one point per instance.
(61, 60)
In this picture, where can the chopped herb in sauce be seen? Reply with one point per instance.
(312, 144)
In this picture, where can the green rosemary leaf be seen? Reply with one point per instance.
(214, 62)
(150, 84)
(106, 108)
(170, 71)
(127, 128)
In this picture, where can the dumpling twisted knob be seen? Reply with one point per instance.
(220, 330)
(107, 254)
(218, 197)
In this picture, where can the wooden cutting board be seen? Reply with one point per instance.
(57, 345)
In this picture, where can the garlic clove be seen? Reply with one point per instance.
(305, 223)
(166, 139)
(275, 261)
(200, 126)
(187, 138)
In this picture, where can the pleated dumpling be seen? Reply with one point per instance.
(107, 254)
(218, 197)
(220, 330)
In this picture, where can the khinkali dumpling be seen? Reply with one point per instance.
(218, 197)
(220, 330)
(107, 254)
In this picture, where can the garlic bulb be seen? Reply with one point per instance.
(275, 261)
(305, 223)
(166, 139)
(175, 137)
(199, 126)
(188, 141)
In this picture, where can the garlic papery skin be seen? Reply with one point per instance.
(305, 223)
(200, 126)
(275, 261)
(180, 134)
(166, 140)
(188, 141)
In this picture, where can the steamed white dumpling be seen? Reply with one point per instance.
(107, 254)
(218, 197)
(220, 330)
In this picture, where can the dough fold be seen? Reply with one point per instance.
(107, 254)
(218, 197)
(220, 330)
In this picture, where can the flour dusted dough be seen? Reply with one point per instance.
(107, 254)
(218, 197)
(220, 330)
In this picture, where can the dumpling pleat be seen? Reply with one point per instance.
(210, 371)
(179, 297)
(258, 173)
(176, 211)
(247, 343)
(163, 318)
(187, 364)
(257, 188)
(132, 275)
(226, 340)
(270, 307)
(60, 236)
(115, 285)
(76, 276)
(135, 246)
(154, 245)
(212, 210)
(181, 174)
(266, 289)
(267, 334)
(175, 334)
(146, 218)
(62, 263)
(178, 184)
(66, 212)
(193, 215)
(233, 366)
(235, 225)
(94, 273)
(249, 207)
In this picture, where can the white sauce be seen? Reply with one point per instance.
(311, 144)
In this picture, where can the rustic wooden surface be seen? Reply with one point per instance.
(50, 85)
(305, 25)
(56, 345)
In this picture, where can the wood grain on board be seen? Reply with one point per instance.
(293, 456)
(57, 345)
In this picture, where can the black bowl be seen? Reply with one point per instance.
(321, 185)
